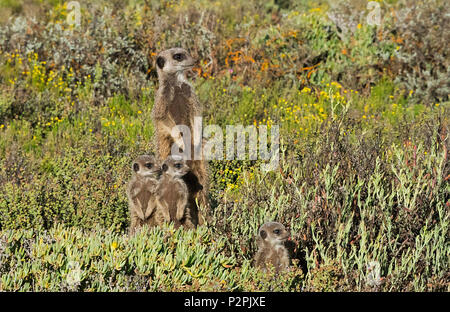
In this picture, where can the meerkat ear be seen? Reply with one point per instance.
(160, 61)
(164, 167)
(263, 234)
(136, 167)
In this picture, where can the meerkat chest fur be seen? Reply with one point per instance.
(170, 187)
(150, 184)
(147, 191)
(179, 104)
(275, 253)
(176, 102)
(181, 79)
(172, 190)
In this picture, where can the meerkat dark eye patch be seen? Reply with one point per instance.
(149, 165)
(178, 165)
(277, 232)
(179, 57)
(136, 167)
(263, 234)
(160, 61)
(164, 167)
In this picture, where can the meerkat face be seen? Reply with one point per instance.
(175, 60)
(273, 233)
(146, 166)
(175, 166)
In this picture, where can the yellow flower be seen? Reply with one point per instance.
(306, 90)
(114, 245)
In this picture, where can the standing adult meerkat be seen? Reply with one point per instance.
(177, 104)
(172, 194)
(141, 191)
(271, 248)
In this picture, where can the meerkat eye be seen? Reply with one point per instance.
(178, 166)
(160, 61)
(179, 57)
(149, 165)
(277, 231)
(263, 234)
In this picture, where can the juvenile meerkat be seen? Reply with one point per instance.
(141, 191)
(177, 104)
(271, 248)
(173, 194)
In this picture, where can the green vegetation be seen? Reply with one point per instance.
(363, 114)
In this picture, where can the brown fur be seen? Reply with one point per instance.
(141, 192)
(177, 104)
(172, 197)
(271, 248)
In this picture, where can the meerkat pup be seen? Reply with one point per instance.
(176, 104)
(141, 191)
(271, 248)
(173, 194)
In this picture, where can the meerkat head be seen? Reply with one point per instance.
(175, 166)
(146, 166)
(273, 234)
(174, 61)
